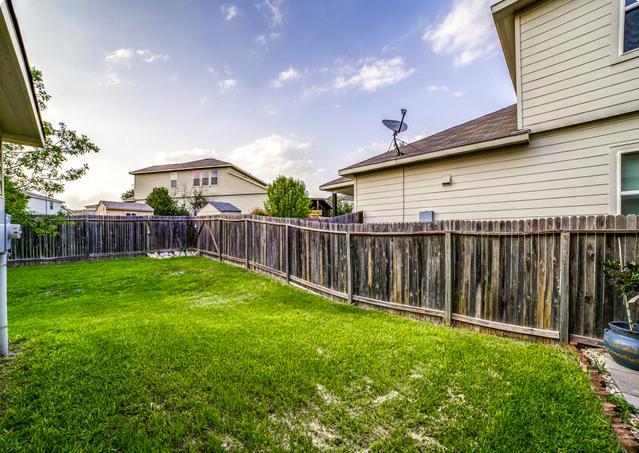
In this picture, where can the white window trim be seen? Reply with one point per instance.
(213, 172)
(618, 191)
(618, 19)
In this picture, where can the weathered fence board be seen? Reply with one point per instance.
(539, 277)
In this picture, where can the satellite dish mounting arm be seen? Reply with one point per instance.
(401, 123)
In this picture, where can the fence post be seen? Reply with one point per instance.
(147, 227)
(246, 243)
(564, 288)
(448, 275)
(219, 239)
(287, 260)
(87, 237)
(349, 269)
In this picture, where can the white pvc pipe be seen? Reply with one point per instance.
(4, 328)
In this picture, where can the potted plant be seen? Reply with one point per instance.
(622, 338)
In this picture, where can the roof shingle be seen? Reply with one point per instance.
(127, 206)
(201, 163)
(493, 126)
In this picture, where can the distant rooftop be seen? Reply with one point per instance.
(126, 206)
(223, 206)
(40, 196)
(209, 162)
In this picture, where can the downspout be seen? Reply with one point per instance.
(4, 328)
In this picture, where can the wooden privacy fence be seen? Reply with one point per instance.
(538, 277)
(90, 237)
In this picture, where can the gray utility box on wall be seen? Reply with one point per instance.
(8, 230)
(426, 216)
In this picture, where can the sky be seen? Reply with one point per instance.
(293, 87)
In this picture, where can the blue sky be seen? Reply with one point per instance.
(274, 86)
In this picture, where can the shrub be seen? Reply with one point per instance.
(287, 197)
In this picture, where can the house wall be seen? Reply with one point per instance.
(116, 212)
(231, 187)
(563, 172)
(38, 206)
(569, 71)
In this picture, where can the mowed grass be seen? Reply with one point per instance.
(187, 353)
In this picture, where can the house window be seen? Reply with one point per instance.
(205, 178)
(51, 205)
(173, 180)
(629, 184)
(196, 178)
(630, 25)
(214, 177)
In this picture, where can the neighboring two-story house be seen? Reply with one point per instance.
(215, 179)
(569, 146)
(43, 205)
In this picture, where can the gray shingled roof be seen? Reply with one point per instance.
(195, 164)
(496, 125)
(342, 180)
(201, 163)
(126, 206)
(223, 206)
(40, 196)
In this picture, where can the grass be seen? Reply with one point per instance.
(187, 353)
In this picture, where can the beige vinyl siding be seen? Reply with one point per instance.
(567, 75)
(232, 185)
(379, 196)
(562, 172)
(244, 202)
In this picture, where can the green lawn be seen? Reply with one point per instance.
(188, 353)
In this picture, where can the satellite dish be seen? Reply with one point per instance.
(395, 126)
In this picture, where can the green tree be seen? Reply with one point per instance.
(128, 194)
(162, 203)
(197, 201)
(45, 169)
(343, 207)
(287, 197)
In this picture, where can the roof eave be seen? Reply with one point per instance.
(342, 185)
(199, 167)
(504, 17)
(521, 138)
(21, 83)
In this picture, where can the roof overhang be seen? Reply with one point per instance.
(337, 186)
(20, 120)
(518, 139)
(504, 17)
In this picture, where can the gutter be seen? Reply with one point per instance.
(17, 138)
(521, 138)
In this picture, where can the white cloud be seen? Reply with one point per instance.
(264, 39)
(274, 155)
(112, 79)
(314, 91)
(266, 158)
(226, 85)
(119, 55)
(273, 7)
(458, 94)
(286, 76)
(211, 70)
(373, 74)
(125, 55)
(467, 32)
(435, 88)
(229, 11)
(183, 155)
(270, 110)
